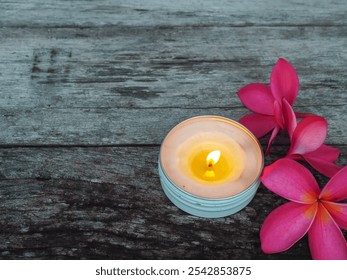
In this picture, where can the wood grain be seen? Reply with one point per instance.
(88, 203)
(81, 94)
(89, 89)
(68, 204)
(180, 12)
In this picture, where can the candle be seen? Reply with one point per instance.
(209, 166)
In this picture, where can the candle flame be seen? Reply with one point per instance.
(213, 158)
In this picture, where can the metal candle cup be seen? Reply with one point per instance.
(209, 166)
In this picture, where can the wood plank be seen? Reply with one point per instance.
(180, 12)
(106, 203)
(92, 92)
(147, 67)
(60, 219)
(119, 126)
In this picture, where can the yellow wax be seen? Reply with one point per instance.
(209, 170)
(228, 167)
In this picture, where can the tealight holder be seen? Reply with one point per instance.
(206, 187)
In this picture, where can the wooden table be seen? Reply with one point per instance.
(89, 89)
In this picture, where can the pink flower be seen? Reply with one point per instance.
(266, 101)
(307, 140)
(309, 210)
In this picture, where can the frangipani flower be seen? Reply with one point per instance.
(307, 140)
(309, 210)
(266, 101)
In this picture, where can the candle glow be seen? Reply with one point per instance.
(211, 160)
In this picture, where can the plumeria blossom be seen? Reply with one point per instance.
(266, 101)
(310, 210)
(307, 140)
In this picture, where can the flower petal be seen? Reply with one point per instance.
(325, 152)
(325, 238)
(284, 81)
(258, 124)
(285, 226)
(289, 117)
(295, 157)
(338, 212)
(278, 114)
(324, 167)
(291, 180)
(336, 188)
(258, 98)
(309, 135)
(273, 135)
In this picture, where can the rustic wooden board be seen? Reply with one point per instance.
(89, 89)
(93, 90)
(68, 204)
(180, 12)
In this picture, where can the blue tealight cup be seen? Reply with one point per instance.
(209, 199)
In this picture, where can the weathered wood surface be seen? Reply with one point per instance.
(88, 90)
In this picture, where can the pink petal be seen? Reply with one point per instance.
(291, 180)
(258, 98)
(325, 152)
(324, 167)
(273, 135)
(289, 117)
(336, 188)
(309, 135)
(285, 226)
(325, 238)
(295, 157)
(278, 114)
(338, 212)
(284, 81)
(258, 124)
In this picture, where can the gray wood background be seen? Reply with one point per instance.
(89, 89)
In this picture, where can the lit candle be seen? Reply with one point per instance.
(209, 166)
